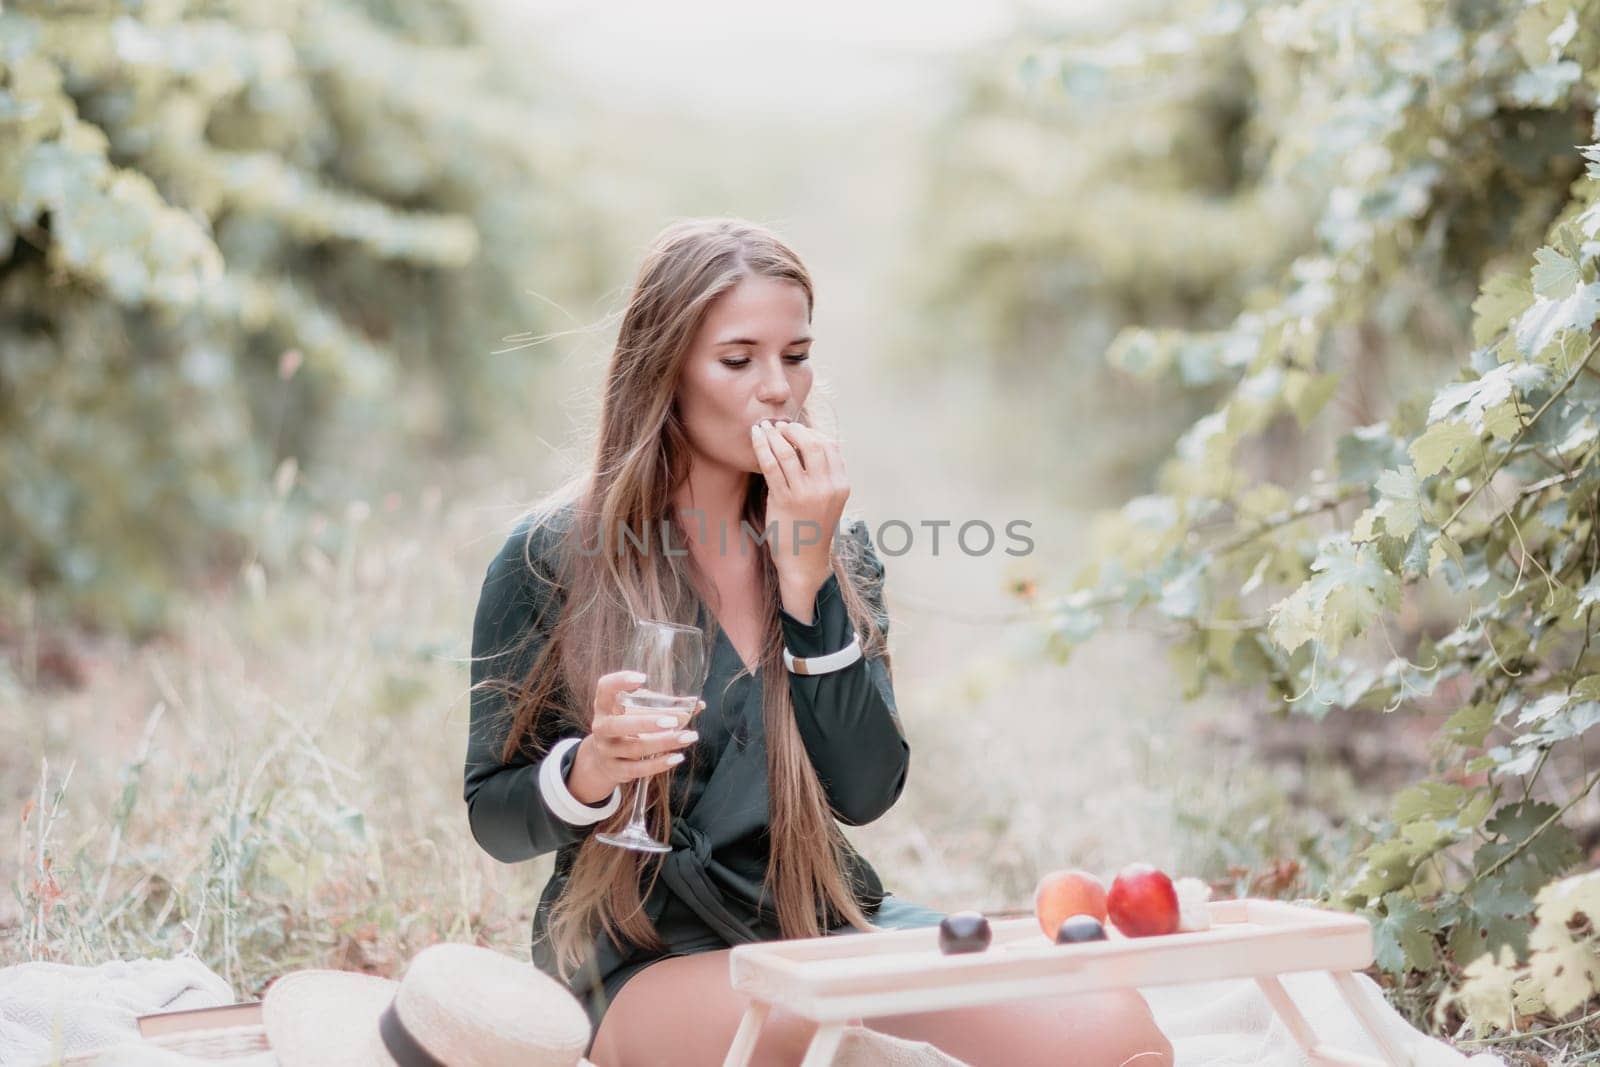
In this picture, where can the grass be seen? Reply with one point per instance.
(279, 785)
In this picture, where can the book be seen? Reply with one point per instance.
(217, 1017)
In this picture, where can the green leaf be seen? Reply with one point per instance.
(1431, 800)
(1541, 709)
(1401, 503)
(1560, 600)
(1386, 865)
(1535, 33)
(1418, 553)
(1497, 915)
(1508, 760)
(1470, 724)
(1517, 821)
(1361, 454)
(1337, 684)
(1588, 595)
(1475, 810)
(1440, 444)
(1573, 719)
(1554, 275)
(1503, 298)
(1404, 936)
(1474, 400)
(1545, 86)
(1307, 394)
(1182, 596)
(1444, 546)
(1546, 319)
(1347, 591)
(1551, 853)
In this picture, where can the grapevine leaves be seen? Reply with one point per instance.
(1486, 481)
(1348, 589)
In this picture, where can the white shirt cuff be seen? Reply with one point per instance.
(833, 661)
(553, 788)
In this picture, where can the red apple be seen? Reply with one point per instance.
(1142, 902)
(1060, 894)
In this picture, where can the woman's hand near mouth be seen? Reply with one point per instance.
(806, 492)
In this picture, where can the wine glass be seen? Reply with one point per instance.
(672, 658)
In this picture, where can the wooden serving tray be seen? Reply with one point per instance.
(840, 978)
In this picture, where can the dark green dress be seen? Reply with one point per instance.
(708, 895)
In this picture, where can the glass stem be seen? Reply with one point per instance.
(639, 785)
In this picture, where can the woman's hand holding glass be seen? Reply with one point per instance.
(625, 744)
(658, 691)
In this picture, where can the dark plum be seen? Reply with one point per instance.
(963, 931)
(1078, 928)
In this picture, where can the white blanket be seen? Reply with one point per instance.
(55, 1009)
(1230, 1024)
(50, 1009)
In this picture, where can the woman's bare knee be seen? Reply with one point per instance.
(1132, 1035)
(683, 1011)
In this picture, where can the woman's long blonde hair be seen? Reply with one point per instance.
(641, 457)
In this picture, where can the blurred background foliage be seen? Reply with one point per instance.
(234, 234)
(1061, 206)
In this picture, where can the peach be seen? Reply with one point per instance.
(1062, 894)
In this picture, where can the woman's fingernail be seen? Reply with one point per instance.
(666, 720)
(633, 676)
(675, 758)
(687, 736)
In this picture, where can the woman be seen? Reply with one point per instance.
(711, 498)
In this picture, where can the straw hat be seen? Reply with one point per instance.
(457, 1006)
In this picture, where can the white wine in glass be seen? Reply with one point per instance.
(672, 658)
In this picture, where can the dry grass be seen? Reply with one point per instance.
(279, 785)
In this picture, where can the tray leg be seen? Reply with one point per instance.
(824, 1043)
(1370, 1019)
(1284, 1005)
(744, 1039)
(1303, 1035)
